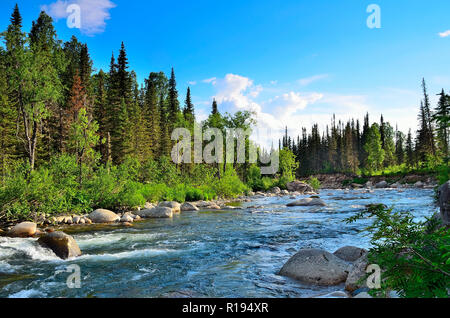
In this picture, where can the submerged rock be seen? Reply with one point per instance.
(316, 266)
(350, 253)
(63, 245)
(24, 229)
(186, 207)
(156, 213)
(127, 218)
(103, 216)
(363, 295)
(308, 202)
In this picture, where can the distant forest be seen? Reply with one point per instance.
(355, 148)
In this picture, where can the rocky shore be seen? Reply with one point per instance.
(345, 267)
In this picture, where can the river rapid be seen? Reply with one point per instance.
(235, 253)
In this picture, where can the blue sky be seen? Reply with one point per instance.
(293, 62)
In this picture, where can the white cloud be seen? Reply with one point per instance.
(209, 80)
(296, 109)
(192, 83)
(309, 80)
(94, 13)
(444, 34)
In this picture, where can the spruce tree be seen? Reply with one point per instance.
(188, 110)
(215, 109)
(172, 103)
(441, 117)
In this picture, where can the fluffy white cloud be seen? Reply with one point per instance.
(296, 109)
(444, 34)
(94, 13)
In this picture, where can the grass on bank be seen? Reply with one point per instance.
(54, 188)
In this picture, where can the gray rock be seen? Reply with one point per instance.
(103, 216)
(444, 202)
(308, 202)
(297, 186)
(381, 185)
(63, 245)
(285, 192)
(355, 279)
(76, 219)
(175, 206)
(276, 190)
(419, 184)
(350, 253)
(24, 229)
(188, 207)
(127, 218)
(156, 213)
(149, 205)
(315, 266)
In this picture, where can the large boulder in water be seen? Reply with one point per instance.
(175, 206)
(156, 213)
(444, 202)
(314, 266)
(24, 229)
(350, 253)
(103, 216)
(308, 202)
(297, 186)
(63, 245)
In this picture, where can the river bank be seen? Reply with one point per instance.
(205, 253)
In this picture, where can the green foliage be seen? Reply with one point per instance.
(288, 165)
(314, 183)
(414, 257)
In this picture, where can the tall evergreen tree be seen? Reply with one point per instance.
(442, 119)
(173, 103)
(188, 110)
(215, 109)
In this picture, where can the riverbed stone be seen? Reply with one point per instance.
(24, 229)
(156, 213)
(315, 266)
(444, 202)
(103, 216)
(126, 218)
(63, 245)
(76, 219)
(382, 185)
(350, 253)
(297, 186)
(356, 274)
(308, 202)
(187, 206)
(275, 190)
(175, 206)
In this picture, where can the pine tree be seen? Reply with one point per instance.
(410, 159)
(7, 121)
(215, 109)
(374, 149)
(442, 119)
(399, 147)
(83, 139)
(100, 111)
(164, 142)
(188, 110)
(173, 103)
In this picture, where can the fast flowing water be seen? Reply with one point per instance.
(203, 254)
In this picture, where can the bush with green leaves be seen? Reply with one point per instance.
(414, 256)
(314, 183)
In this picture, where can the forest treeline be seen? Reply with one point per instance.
(370, 148)
(73, 138)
